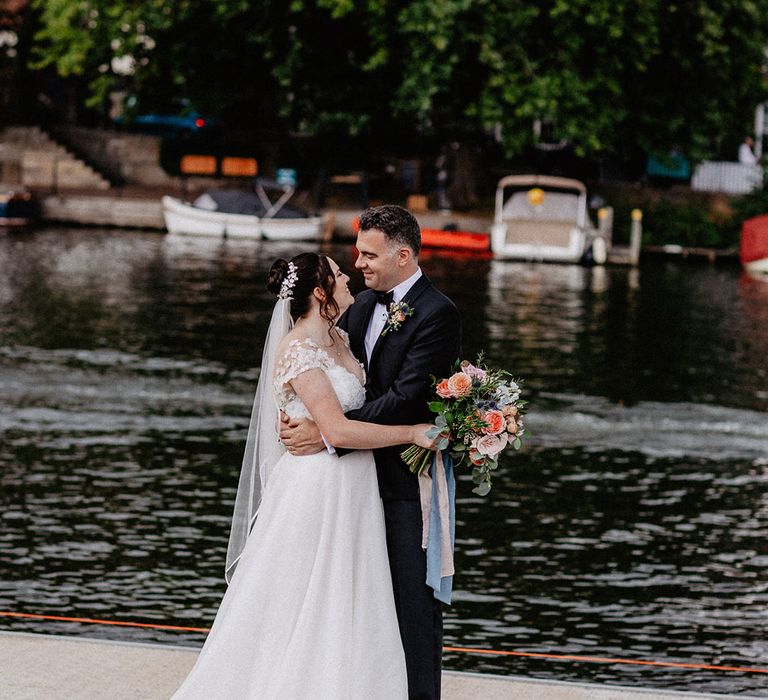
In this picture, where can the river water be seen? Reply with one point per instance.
(632, 525)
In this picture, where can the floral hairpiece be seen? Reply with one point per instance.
(291, 277)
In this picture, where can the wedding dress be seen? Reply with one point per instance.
(309, 612)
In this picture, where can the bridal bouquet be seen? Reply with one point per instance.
(479, 414)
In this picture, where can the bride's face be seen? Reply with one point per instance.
(341, 294)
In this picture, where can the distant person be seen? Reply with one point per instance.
(746, 154)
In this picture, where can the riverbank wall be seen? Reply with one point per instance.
(97, 177)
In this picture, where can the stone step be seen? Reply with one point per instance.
(29, 136)
(45, 169)
(44, 163)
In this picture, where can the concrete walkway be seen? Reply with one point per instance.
(43, 667)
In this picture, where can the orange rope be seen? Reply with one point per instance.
(466, 650)
(103, 622)
(600, 659)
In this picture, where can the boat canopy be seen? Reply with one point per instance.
(547, 205)
(560, 183)
(554, 206)
(242, 202)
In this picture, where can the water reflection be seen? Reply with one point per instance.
(632, 526)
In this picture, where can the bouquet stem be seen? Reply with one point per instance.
(417, 458)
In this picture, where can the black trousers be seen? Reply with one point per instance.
(419, 613)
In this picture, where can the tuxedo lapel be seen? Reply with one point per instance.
(410, 298)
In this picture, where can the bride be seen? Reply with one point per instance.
(309, 611)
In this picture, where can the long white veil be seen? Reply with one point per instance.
(263, 447)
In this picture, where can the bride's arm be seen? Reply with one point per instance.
(317, 394)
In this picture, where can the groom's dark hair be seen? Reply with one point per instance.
(396, 223)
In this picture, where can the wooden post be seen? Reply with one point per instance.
(605, 223)
(635, 236)
(330, 222)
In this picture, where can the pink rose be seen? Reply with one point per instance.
(472, 371)
(443, 391)
(490, 445)
(496, 422)
(460, 384)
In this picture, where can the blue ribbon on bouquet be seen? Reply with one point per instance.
(437, 492)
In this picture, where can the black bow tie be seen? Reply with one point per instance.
(385, 298)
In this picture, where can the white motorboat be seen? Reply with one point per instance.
(538, 217)
(240, 214)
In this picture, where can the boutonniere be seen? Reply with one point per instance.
(396, 315)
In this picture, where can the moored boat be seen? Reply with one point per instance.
(17, 208)
(545, 218)
(753, 248)
(240, 214)
(469, 241)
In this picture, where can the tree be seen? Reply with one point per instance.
(608, 76)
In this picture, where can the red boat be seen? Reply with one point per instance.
(456, 240)
(450, 240)
(753, 249)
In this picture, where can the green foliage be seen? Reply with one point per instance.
(605, 75)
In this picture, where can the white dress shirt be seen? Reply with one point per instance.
(379, 315)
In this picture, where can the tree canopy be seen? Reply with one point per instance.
(607, 76)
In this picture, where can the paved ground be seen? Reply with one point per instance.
(42, 667)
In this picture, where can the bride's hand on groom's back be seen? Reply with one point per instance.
(300, 436)
(420, 436)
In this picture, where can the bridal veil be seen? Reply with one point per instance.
(263, 447)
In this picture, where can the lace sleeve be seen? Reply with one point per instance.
(300, 356)
(344, 335)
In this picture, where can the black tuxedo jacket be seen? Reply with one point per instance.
(399, 378)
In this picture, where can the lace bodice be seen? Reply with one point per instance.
(303, 355)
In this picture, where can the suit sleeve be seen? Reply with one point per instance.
(433, 351)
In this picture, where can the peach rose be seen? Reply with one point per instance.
(443, 391)
(510, 410)
(475, 457)
(496, 422)
(460, 384)
(490, 445)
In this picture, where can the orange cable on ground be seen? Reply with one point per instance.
(600, 659)
(466, 650)
(103, 622)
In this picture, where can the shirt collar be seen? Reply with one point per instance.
(402, 289)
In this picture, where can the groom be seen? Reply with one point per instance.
(404, 331)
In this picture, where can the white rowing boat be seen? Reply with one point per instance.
(236, 214)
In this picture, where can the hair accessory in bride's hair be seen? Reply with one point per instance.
(291, 277)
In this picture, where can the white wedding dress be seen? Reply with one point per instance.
(309, 613)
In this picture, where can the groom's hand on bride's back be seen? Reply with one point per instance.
(300, 436)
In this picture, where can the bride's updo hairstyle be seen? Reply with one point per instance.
(310, 270)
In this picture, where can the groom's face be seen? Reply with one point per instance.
(378, 260)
